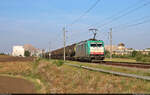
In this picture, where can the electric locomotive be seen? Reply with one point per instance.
(91, 49)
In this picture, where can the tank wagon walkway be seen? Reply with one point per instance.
(15, 85)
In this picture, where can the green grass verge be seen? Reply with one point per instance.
(71, 79)
(142, 72)
(120, 60)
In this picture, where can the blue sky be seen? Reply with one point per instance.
(40, 22)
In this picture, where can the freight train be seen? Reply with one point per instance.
(87, 50)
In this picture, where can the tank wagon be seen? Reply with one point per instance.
(59, 53)
(85, 50)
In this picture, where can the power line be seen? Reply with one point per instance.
(110, 17)
(128, 24)
(126, 13)
(88, 10)
(131, 11)
(136, 24)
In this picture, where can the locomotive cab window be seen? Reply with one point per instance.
(99, 45)
(96, 45)
(93, 45)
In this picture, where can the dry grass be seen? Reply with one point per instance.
(137, 71)
(67, 79)
(22, 70)
(15, 67)
(120, 60)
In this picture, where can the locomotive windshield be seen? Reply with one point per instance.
(96, 45)
(99, 45)
(93, 45)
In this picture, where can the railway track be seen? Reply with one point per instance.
(125, 64)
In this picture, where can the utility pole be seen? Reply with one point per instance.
(110, 43)
(49, 50)
(64, 43)
(43, 53)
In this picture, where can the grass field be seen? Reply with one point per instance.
(143, 59)
(67, 79)
(52, 78)
(120, 60)
(141, 72)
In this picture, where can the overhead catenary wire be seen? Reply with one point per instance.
(142, 20)
(131, 11)
(132, 25)
(136, 24)
(114, 15)
(124, 14)
(87, 11)
(81, 16)
(76, 20)
(138, 21)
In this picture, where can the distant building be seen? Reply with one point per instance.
(31, 49)
(38, 52)
(121, 46)
(120, 49)
(107, 47)
(18, 51)
(144, 51)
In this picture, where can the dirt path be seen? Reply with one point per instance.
(15, 85)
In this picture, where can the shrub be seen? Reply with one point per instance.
(37, 60)
(2, 53)
(148, 53)
(107, 53)
(142, 59)
(134, 53)
(27, 53)
(139, 58)
(121, 56)
(58, 63)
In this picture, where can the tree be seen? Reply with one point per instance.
(107, 53)
(27, 53)
(134, 53)
(148, 53)
(2, 53)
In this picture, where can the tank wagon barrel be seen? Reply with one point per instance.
(59, 53)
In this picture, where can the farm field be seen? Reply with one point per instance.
(49, 76)
(13, 77)
(6, 58)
